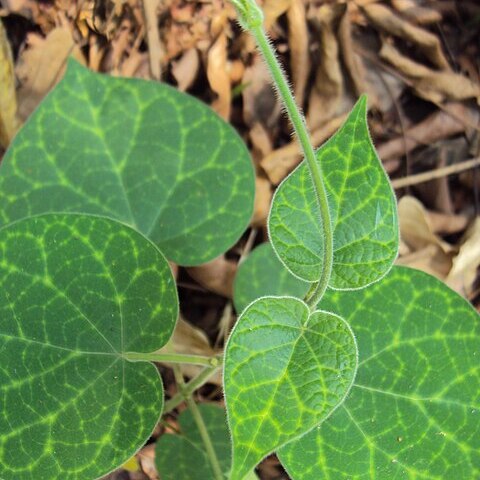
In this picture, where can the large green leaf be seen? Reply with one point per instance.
(76, 293)
(263, 274)
(136, 151)
(362, 207)
(286, 370)
(414, 409)
(184, 456)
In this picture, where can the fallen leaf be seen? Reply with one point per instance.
(263, 199)
(416, 13)
(387, 20)
(216, 275)
(298, 42)
(328, 86)
(431, 84)
(465, 265)
(272, 9)
(156, 50)
(41, 65)
(185, 69)
(8, 99)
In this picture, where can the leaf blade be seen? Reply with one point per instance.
(411, 411)
(362, 208)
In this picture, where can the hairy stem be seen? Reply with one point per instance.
(202, 428)
(172, 358)
(300, 127)
(194, 384)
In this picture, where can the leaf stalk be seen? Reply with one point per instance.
(173, 358)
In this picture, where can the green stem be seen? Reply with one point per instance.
(300, 127)
(194, 384)
(202, 428)
(172, 358)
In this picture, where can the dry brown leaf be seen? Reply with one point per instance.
(387, 20)
(430, 84)
(416, 13)
(263, 198)
(272, 9)
(328, 87)
(185, 69)
(8, 99)
(281, 162)
(42, 65)
(216, 275)
(427, 251)
(439, 125)
(146, 458)
(299, 53)
(156, 50)
(217, 71)
(465, 265)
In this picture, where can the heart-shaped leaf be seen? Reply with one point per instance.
(286, 370)
(76, 293)
(135, 151)
(263, 274)
(184, 456)
(414, 409)
(362, 208)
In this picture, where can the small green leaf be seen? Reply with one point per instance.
(362, 208)
(184, 456)
(263, 274)
(286, 370)
(135, 151)
(76, 293)
(414, 409)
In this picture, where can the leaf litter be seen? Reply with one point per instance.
(417, 61)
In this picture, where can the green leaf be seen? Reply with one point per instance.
(286, 370)
(414, 409)
(76, 293)
(362, 208)
(184, 456)
(263, 274)
(135, 151)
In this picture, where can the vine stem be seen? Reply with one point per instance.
(172, 358)
(299, 124)
(202, 428)
(194, 384)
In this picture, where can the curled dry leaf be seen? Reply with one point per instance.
(217, 72)
(156, 50)
(42, 65)
(431, 84)
(422, 248)
(416, 13)
(465, 265)
(299, 53)
(263, 198)
(272, 9)
(328, 87)
(185, 69)
(8, 99)
(387, 20)
(437, 126)
(216, 275)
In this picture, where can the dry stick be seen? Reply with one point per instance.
(155, 48)
(438, 173)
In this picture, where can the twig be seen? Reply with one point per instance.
(155, 48)
(437, 173)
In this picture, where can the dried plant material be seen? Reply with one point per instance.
(42, 65)
(328, 87)
(299, 53)
(146, 458)
(437, 126)
(281, 162)
(261, 142)
(417, 13)
(465, 265)
(8, 99)
(216, 275)
(217, 71)
(385, 19)
(431, 84)
(352, 62)
(447, 223)
(263, 198)
(155, 48)
(185, 69)
(427, 251)
(260, 103)
(272, 9)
